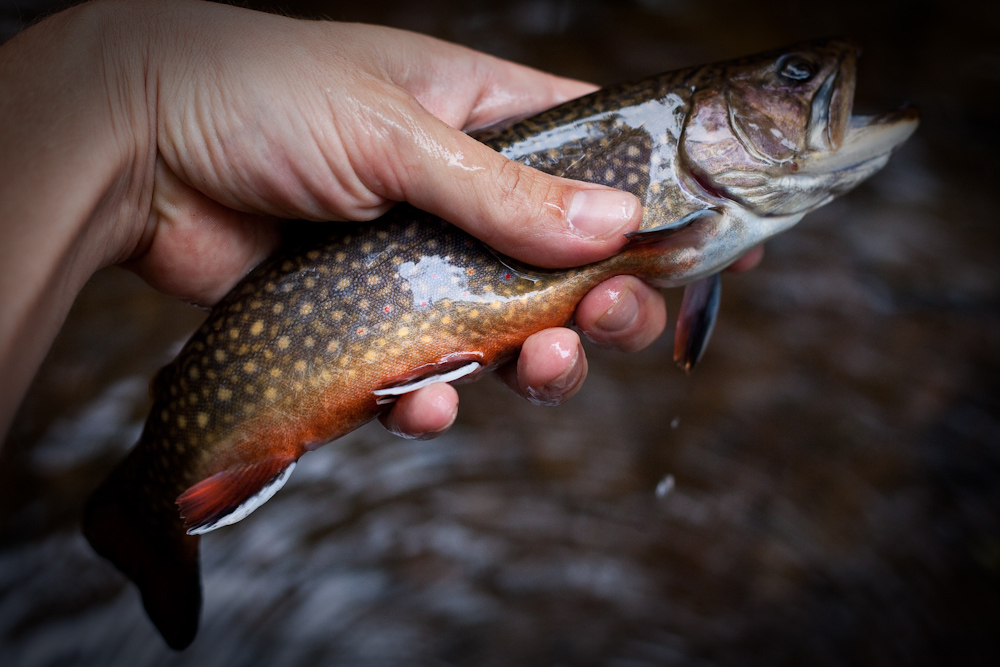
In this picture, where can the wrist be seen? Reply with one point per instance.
(74, 148)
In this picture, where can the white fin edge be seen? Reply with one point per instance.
(450, 376)
(249, 505)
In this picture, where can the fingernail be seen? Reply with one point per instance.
(594, 213)
(623, 311)
(558, 390)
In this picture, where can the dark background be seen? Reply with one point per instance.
(835, 460)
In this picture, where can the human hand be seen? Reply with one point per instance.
(226, 120)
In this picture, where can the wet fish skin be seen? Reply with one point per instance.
(306, 347)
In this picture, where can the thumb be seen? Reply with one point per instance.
(532, 216)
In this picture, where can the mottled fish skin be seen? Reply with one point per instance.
(294, 356)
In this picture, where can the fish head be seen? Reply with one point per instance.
(775, 133)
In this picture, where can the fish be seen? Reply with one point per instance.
(324, 335)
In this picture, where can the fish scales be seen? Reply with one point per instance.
(320, 337)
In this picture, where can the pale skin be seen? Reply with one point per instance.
(174, 138)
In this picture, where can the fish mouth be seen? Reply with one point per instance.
(840, 141)
(866, 140)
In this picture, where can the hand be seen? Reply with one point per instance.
(205, 124)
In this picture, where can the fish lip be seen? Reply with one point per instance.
(867, 139)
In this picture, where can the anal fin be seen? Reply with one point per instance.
(696, 320)
(232, 494)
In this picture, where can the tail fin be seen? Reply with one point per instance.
(144, 537)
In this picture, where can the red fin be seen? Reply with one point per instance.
(230, 495)
(147, 542)
(448, 369)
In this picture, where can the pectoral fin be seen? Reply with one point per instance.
(661, 232)
(231, 495)
(699, 310)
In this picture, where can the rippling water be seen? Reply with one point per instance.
(825, 490)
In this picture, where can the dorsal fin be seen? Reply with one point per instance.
(232, 494)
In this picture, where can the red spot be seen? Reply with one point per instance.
(506, 276)
(361, 331)
(434, 275)
(387, 309)
(465, 294)
(423, 303)
(470, 271)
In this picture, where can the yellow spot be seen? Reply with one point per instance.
(344, 283)
(309, 341)
(340, 256)
(402, 332)
(202, 419)
(277, 308)
(333, 346)
(425, 339)
(306, 308)
(337, 315)
(446, 319)
(270, 393)
(363, 304)
(268, 354)
(225, 393)
(182, 421)
(406, 317)
(250, 367)
(270, 287)
(474, 313)
(287, 266)
(313, 255)
(283, 343)
(495, 305)
(424, 326)
(380, 342)
(255, 304)
(276, 372)
(370, 355)
(300, 366)
(373, 279)
(256, 328)
(220, 356)
(655, 188)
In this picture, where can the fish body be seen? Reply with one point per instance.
(319, 338)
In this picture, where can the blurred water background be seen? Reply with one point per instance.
(825, 490)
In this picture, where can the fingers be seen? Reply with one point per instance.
(534, 217)
(550, 369)
(423, 414)
(748, 261)
(193, 247)
(622, 312)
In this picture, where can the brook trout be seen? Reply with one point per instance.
(323, 335)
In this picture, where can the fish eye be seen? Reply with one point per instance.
(796, 69)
